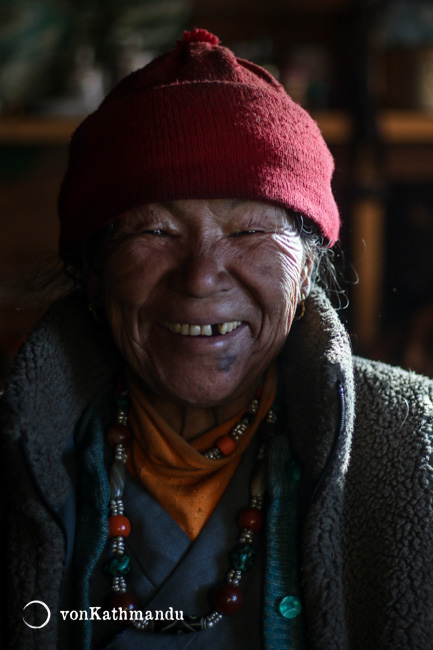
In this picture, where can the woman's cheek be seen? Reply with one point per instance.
(126, 278)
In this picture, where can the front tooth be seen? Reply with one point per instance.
(206, 330)
(194, 330)
(222, 328)
(184, 329)
(176, 327)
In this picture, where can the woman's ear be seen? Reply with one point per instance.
(305, 278)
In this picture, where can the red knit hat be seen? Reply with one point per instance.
(196, 123)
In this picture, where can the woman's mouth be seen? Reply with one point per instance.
(186, 329)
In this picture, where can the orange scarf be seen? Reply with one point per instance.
(185, 483)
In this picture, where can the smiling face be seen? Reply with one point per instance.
(200, 295)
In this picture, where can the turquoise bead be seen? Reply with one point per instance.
(118, 566)
(290, 607)
(242, 557)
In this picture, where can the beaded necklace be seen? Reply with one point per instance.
(226, 597)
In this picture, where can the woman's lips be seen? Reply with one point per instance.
(188, 329)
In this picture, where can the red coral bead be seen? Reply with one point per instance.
(118, 434)
(227, 599)
(118, 525)
(251, 518)
(226, 445)
(124, 601)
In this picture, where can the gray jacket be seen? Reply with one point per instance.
(362, 432)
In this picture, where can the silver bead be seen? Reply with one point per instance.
(238, 431)
(271, 417)
(120, 454)
(246, 536)
(140, 624)
(213, 453)
(256, 502)
(118, 545)
(119, 584)
(253, 407)
(117, 507)
(234, 577)
(213, 618)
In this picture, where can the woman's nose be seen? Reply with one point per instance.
(201, 272)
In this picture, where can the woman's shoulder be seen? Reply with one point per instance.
(391, 395)
(65, 335)
(66, 355)
(383, 374)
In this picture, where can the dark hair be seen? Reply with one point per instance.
(325, 272)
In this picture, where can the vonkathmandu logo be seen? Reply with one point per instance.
(48, 612)
(114, 614)
(119, 614)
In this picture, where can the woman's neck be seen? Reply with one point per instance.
(189, 422)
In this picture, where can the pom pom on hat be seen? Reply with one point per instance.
(196, 123)
(199, 36)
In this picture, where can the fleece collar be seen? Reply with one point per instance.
(59, 370)
(316, 363)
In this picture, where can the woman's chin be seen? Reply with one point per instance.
(198, 395)
(202, 390)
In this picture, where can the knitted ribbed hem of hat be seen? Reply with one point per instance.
(195, 123)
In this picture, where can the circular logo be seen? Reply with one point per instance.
(38, 602)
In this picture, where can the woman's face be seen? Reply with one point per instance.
(200, 295)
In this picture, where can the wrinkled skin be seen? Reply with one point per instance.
(201, 262)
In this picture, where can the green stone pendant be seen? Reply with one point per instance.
(242, 557)
(290, 607)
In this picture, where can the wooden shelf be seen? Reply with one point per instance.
(406, 127)
(37, 130)
(396, 127)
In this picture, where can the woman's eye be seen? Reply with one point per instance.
(247, 232)
(157, 232)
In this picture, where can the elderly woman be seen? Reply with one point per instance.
(201, 444)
